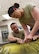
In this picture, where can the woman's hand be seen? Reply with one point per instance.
(25, 40)
(29, 38)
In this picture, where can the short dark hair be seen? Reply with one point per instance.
(12, 24)
(11, 9)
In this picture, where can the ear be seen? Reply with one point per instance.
(14, 9)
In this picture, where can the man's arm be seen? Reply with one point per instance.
(13, 39)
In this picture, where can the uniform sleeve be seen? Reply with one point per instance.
(10, 34)
(30, 6)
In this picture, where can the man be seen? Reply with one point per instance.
(17, 35)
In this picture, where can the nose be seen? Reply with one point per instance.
(15, 28)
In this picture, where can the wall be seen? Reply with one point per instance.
(24, 2)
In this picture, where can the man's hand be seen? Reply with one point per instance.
(20, 41)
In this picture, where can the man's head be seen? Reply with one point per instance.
(15, 11)
(14, 27)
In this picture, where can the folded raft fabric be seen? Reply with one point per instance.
(13, 48)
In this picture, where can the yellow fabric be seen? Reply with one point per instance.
(28, 48)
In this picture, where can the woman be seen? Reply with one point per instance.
(27, 16)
